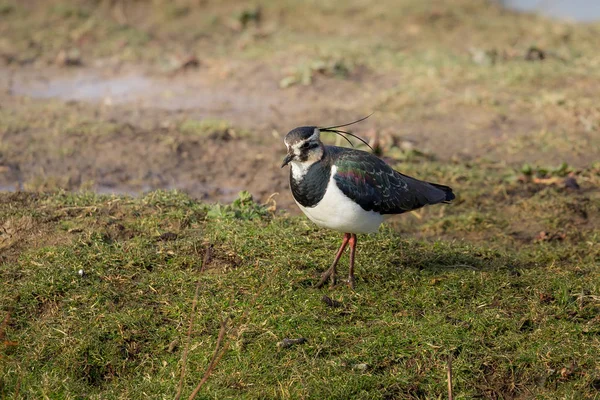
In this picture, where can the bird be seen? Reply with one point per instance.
(350, 190)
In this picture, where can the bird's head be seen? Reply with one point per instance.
(303, 145)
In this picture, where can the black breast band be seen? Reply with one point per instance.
(310, 190)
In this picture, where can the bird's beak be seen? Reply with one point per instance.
(287, 159)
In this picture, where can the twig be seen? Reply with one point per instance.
(18, 388)
(450, 395)
(205, 262)
(4, 324)
(215, 359)
(220, 348)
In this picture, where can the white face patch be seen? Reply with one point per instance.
(300, 168)
(315, 137)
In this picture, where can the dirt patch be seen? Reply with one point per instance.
(124, 158)
(23, 231)
(118, 129)
(127, 137)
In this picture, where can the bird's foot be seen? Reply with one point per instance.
(329, 274)
(351, 282)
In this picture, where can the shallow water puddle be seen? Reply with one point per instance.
(195, 92)
(131, 90)
(86, 87)
(577, 10)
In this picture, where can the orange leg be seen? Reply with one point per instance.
(330, 273)
(352, 242)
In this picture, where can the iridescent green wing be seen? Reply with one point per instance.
(375, 186)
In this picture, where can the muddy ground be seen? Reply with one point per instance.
(212, 122)
(143, 147)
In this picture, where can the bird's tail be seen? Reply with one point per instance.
(447, 191)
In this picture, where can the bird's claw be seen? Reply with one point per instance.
(351, 282)
(327, 275)
(333, 283)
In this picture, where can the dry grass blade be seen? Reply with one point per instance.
(220, 352)
(3, 325)
(215, 359)
(205, 262)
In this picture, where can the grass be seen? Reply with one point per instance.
(505, 282)
(518, 321)
(215, 129)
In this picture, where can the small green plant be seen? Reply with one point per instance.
(6, 9)
(66, 10)
(175, 11)
(305, 73)
(244, 207)
(249, 15)
(561, 170)
(211, 128)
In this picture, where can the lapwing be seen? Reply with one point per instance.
(349, 190)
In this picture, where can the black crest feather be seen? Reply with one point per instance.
(343, 133)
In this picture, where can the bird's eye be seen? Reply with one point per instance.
(305, 146)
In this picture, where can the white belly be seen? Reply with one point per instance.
(336, 211)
